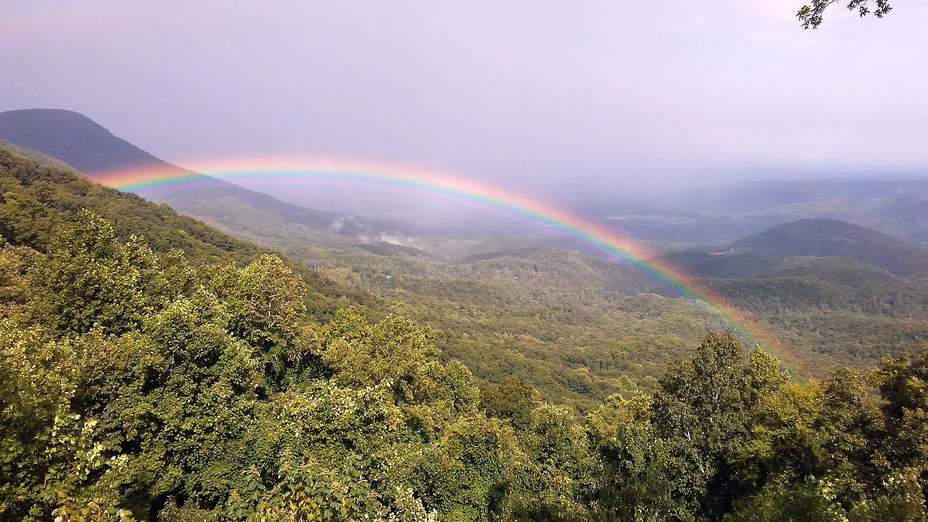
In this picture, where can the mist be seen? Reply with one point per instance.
(597, 107)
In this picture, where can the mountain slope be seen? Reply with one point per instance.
(93, 150)
(832, 238)
(42, 159)
(73, 138)
(35, 200)
(834, 292)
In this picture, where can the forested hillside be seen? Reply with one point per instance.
(839, 293)
(141, 381)
(575, 327)
(35, 200)
(832, 238)
(579, 328)
(36, 156)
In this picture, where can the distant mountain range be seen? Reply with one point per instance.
(896, 205)
(91, 149)
(763, 254)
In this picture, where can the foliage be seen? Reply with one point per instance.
(579, 329)
(812, 15)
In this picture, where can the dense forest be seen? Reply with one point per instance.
(154, 368)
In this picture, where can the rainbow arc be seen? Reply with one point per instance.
(591, 232)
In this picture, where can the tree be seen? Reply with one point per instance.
(467, 474)
(636, 481)
(723, 418)
(811, 15)
(560, 476)
(88, 280)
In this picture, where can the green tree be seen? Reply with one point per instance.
(310, 491)
(904, 388)
(265, 301)
(468, 473)
(511, 399)
(558, 479)
(812, 499)
(15, 263)
(722, 417)
(53, 462)
(91, 280)
(181, 416)
(639, 469)
(700, 410)
(265, 298)
(399, 354)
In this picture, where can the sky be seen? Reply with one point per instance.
(611, 95)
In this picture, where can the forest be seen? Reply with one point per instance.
(154, 368)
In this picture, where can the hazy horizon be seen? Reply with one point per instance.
(549, 99)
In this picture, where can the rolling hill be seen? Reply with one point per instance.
(833, 238)
(837, 292)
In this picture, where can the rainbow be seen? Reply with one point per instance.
(168, 178)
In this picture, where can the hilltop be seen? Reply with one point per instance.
(74, 139)
(837, 292)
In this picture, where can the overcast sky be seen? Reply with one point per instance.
(605, 92)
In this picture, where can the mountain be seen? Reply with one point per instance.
(768, 252)
(93, 150)
(74, 139)
(35, 200)
(833, 238)
(835, 292)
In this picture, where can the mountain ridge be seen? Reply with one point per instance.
(93, 150)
